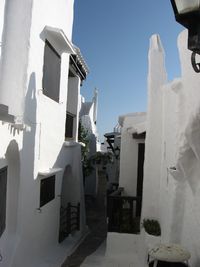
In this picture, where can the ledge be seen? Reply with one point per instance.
(71, 143)
(49, 172)
(58, 37)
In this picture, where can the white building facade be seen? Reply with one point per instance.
(132, 152)
(171, 190)
(40, 158)
(171, 187)
(88, 119)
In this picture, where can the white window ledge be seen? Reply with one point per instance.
(58, 39)
(72, 143)
(50, 171)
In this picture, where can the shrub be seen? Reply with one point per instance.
(152, 227)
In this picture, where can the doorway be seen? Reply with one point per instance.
(140, 174)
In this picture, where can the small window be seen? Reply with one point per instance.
(3, 191)
(51, 72)
(69, 125)
(47, 190)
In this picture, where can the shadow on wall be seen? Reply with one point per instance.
(28, 197)
(71, 187)
(28, 148)
(13, 184)
(9, 201)
(178, 213)
(69, 190)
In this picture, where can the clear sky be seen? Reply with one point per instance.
(113, 36)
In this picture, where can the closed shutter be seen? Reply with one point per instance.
(51, 72)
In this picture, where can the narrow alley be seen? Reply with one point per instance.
(96, 221)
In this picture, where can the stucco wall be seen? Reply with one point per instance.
(31, 234)
(87, 118)
(2, 8)
(15, 50)
(128, 163)
(171, 181)
(156, 79)
(129, 153)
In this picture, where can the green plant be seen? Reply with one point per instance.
(88, 163)
(152, 227)
(101, 158)
(83, 137)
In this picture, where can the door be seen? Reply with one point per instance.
(141, 150)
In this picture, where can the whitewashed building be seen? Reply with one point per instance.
(88, 119)
(171, 187)
(132, 152)
(40, 157)
(88, 114)
(171, 192)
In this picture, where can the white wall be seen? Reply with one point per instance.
(2, 8)
(156, 79)
(15, 50)
(172, 196)
(128, 163)
(129, 152)
(88, 119)
(40, 146)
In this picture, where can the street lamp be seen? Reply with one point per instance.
(187, 13)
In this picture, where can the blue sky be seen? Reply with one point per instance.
(113, 36)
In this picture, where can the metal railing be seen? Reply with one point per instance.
(123, 212)
(69, 220)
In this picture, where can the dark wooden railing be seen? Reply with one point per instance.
(123, 212)
(69, 220)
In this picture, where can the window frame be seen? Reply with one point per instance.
(44, 198)
(72, 128)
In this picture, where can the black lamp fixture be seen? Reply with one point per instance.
(187, 13)
(117, 152)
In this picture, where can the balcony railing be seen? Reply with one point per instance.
(69, 220)
(123, 212)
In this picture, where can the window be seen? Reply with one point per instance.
(3, 191)
(47, 190)
(51, 72)
(69, 125)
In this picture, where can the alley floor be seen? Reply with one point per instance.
(96, 221)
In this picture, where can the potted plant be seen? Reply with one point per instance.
(152, 232)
